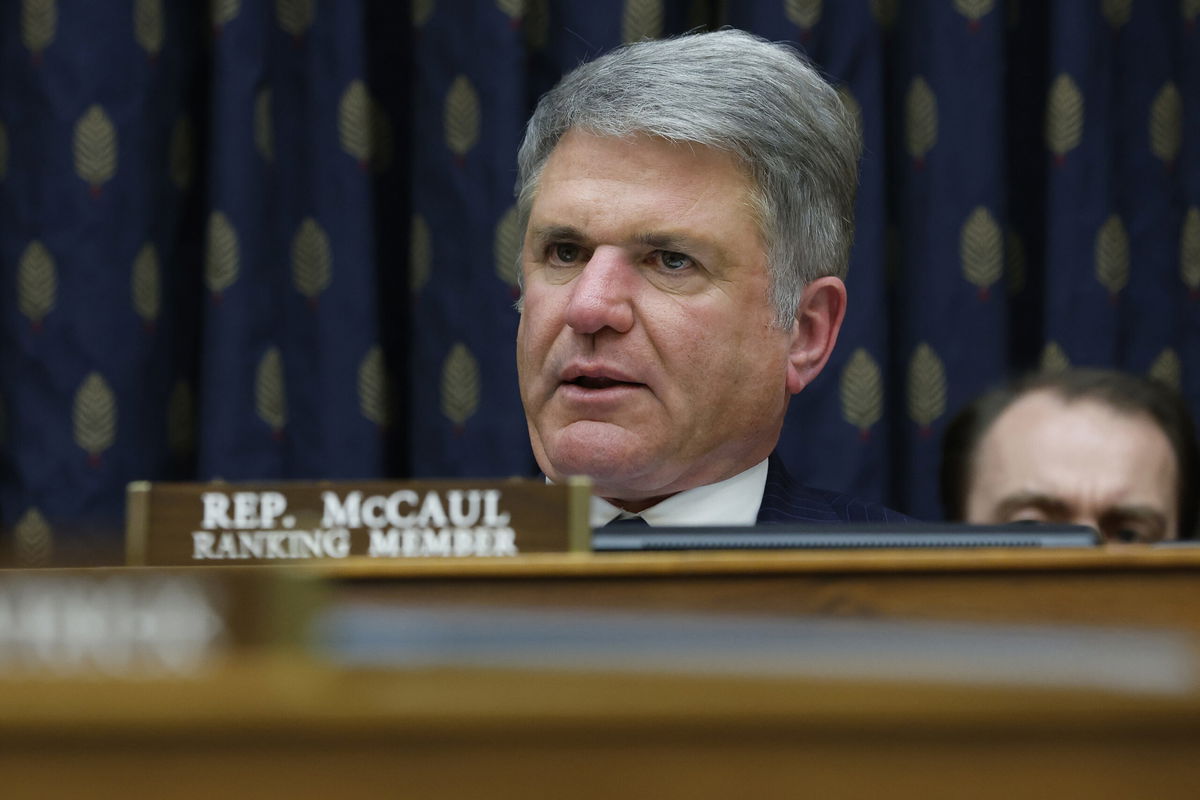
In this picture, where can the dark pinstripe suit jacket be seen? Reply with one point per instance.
(785, 500)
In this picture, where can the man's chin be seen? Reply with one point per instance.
(606, 453)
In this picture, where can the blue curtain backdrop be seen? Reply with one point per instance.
(275, 238)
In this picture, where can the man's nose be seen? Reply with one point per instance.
(602, 293)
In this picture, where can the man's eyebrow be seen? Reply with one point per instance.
(1135, 512)
(556, 233)
(704, 249)
(668, 241)
(1047, 504)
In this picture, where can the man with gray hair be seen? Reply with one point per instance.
(688, 209)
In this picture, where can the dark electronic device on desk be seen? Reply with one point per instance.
(810, 536)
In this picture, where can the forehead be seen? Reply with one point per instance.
(646, 175)
(1073, 448)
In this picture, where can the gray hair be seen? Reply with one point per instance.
(760, 101)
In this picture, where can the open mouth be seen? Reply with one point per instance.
(591, 382)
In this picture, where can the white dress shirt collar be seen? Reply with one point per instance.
(733, 501)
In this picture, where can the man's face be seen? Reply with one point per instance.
(647, 352)
(1077, 462)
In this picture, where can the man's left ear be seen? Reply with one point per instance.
(815, 330)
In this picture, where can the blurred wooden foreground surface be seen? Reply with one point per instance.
(456, 720)
(267, 730)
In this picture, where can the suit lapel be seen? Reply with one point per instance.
(785, 500)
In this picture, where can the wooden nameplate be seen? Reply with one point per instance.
(239, 523)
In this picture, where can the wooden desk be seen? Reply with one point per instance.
(300, 727)
(290, 730)
(1127, 585)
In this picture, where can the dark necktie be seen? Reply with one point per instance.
(627, 523)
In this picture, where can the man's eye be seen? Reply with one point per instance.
(1131, 533)
(565, 253)
(674, 261)
(1027, 515)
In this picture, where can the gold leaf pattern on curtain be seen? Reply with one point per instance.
(506, 247)
(222, 260)
(33, 540)
(1168, 369)
(420, 253)
(537, 24)
(974, 10)
(354, 127)
(37, 283)
(1189, 249)
(1112, 255)
(1166, 123)
(374, 397)
(1116, 11)
(181, 420)
(852, 105)
(1014, 262)
(182, 156)
(920, 119)
(94, 416)
(461, 117)
(861, 388)
(1054, 358)
(422, 10)
(641, 19)
(224, 12)
(145, 284)
(513, 9)
(264, 133)
(460, 385)
(270, 398)
(926, 387)
(294, 16)
(884, 12)
(383, 138)
(95, 148)
(39, 23)
(312, 260)
(1189, 10)
(1064, 117)
(804, 14)
(148, 25)
(980, 248)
